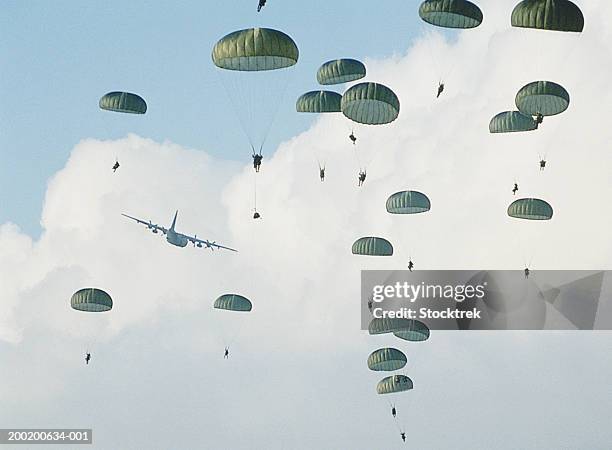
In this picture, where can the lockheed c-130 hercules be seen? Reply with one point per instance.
(178, 239)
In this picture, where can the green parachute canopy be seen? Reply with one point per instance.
(255, 49)
(511, 122)
(386, 359)
(385, 325)
(340, 71)
(372, 246)
(555, 15)
(418, 332)
(542, 97)
(370, 104)
(451, 13)
(91, 300)
(233, 302)
(319, 102)
(408, 202)
(123, 102)
(531, 209)
(394, 384)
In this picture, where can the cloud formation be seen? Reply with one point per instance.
(297, 376)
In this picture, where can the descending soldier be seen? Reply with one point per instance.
(352, 138)
(440, 89)
(115, 166)
(261, 4)
(362, 177)
(257, 157)
(87, 358)
(515, 189)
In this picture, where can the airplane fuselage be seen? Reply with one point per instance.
(178, 239)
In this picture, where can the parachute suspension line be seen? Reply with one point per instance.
(236, 110)
(275, 112)
(255, 190)
(426, 33)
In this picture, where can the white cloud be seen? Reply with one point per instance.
(298, 361)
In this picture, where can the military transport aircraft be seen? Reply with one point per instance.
(175, 238)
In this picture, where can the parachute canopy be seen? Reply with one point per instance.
(123, 102)
(372, 246)
(340, 71)
(386, 359)
(255, 49)
(233, 302)
(318, 102)
(512, 121)
(370, 103)
(418, 332)
(555, 15)
(451, 13)
(542, 97)
(531, 209)
(393, 384)
(408, 202)
(384, 325)
(91, 300)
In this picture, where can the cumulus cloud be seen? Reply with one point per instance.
(297, 376)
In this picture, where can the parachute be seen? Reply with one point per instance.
(382, 326)
(418, 332)
(554, 15)
(408, 202)
(394, 384)
(255, 49)
(387, 359)
(370, 104)
(340, 71)
(372, 246)
(451, 13)
(530, 209)
(233, 302)
(511, 122)
(123, 102)
(319, 102)
(542, 97)
(91, 300)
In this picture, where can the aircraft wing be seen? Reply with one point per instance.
(149, 224)
(211, 245)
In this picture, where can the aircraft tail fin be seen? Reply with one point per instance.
(174, 220)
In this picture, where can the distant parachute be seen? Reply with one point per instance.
(370, 104)
(387, 359)
(408, 202)
(91, 300)
(340, 71)
(382, 326)
(233, 302)
(451, 13)
(531, 209)
(319, 102)
(554, 15)
(123, 102)
(255, 49)
(511, 122)
(372, 246)
(394, 384)
(418, 332)
(542, 97)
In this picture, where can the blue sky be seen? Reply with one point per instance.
(58, 58)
